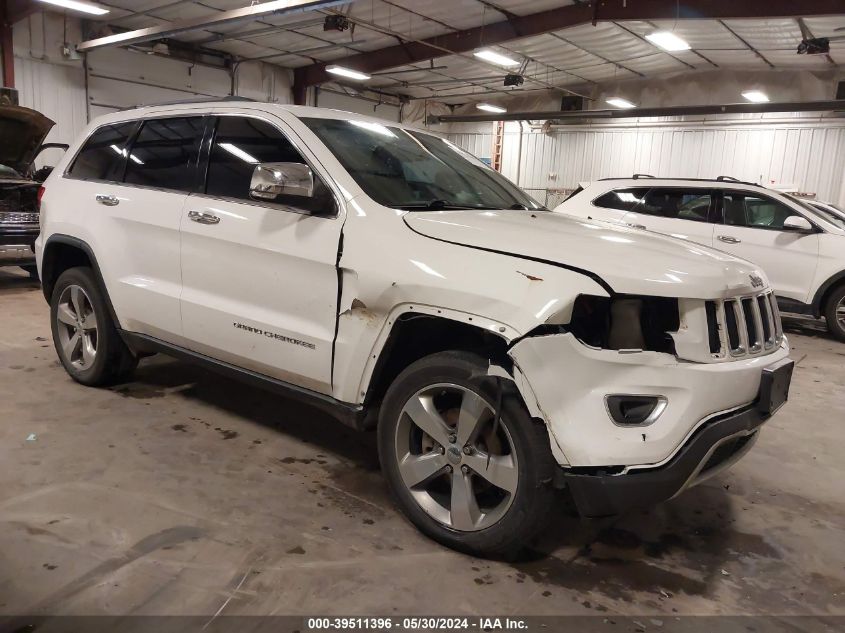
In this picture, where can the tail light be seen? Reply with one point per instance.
(41, 191)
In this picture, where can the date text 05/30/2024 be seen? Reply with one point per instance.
(415, 624)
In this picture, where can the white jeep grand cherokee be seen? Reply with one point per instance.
(382, 273)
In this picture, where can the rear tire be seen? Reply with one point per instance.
(834, 313)
(85, 337)
(483, 489)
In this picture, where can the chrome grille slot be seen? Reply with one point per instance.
(743, 326)
(752, 326)
(767, 320)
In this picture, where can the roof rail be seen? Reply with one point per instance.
(190, 101)
(719, 179)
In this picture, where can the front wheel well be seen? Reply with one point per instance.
(415, 336)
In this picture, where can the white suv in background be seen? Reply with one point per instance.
(385, 275)
(801, 247)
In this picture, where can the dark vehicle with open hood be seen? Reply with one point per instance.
(22, 134)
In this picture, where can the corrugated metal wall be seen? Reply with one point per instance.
(58, 91)
(807, 155)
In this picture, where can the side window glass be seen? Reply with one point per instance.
(164, 155)
(678, 204)
(621, 199)
(101, 157)
(240, 145)
(755, 211)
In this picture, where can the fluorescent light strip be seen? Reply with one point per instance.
(491, 108)
(236, 151)
(378, 128)
(495, 58)
(75, 5)
(347, 72)
(619, 102)
(668, 41)
(756, 96)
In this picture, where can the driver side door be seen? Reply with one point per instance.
(259, 277)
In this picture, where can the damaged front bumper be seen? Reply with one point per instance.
(566, 383)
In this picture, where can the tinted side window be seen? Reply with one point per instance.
(621, 199)
(101, 157)
(164, 155)
(678, 204)
(754, 211)
(241, 144)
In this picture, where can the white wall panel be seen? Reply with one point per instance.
(327, 99)
(809, 156)
(58, 92)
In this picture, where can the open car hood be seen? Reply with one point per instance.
(22, 131)
(629, 260)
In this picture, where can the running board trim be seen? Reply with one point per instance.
(350, 415)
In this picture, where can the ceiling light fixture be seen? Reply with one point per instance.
(75, 5)
(756, 96)
(668, 41)
(491, 108)
(495, 58)
(619, 102)
(347, 72)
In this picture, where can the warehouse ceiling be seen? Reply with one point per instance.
(568, 59)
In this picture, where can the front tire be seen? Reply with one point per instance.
(466, 477)
(834, 313)
(84, 334)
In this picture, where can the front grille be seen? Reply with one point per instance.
(744, 326)
(17, 217)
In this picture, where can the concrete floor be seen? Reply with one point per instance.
(182, 493)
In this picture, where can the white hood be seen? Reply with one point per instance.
(630, 261)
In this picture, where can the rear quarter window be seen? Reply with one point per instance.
(620, 199)
(102, 155)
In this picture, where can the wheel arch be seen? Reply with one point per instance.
(413, 334)
(833, 282)
(62, 252)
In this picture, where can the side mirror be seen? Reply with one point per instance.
(271, 180)
(797, 223)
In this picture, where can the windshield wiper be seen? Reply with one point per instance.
(434, 205)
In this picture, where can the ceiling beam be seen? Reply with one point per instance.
(235, 16)
(518, 27)
(728, 108)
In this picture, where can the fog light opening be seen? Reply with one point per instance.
(634, 410)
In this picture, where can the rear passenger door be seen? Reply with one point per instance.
(683, 212)
(260, 280)
(137, 176)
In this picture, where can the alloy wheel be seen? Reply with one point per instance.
(77, 327)
(840, 313)
(456, 457)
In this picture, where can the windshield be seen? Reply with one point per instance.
(411, 170)
(835, 219)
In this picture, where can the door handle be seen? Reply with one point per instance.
(636, 226)
(727, 239)
(109, 201)
(203, 218)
